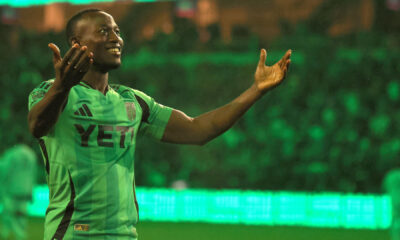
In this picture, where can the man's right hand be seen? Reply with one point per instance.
(70, 70)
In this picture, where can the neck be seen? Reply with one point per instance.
(97, 80)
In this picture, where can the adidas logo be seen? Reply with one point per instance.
(83, 111)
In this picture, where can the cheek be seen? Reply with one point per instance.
(96, 50)
(92, 45)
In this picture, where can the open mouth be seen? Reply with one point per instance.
(114, 50)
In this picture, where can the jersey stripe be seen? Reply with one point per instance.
(115, 87)
(62, 228)
(136, 202)
(89, 113)
(82, 112)
(84, 85)
(47, 86)
(46, 156)
(145, 109)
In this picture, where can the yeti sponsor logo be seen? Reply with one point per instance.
(105, 134)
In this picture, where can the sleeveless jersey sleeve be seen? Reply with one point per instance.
(155, 116)
(38, 93)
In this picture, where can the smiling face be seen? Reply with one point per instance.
(99, 32)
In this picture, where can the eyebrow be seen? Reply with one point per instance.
(107, 26)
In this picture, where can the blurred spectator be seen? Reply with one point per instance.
(243, 39)
(186, 35)
(17, 178)
(391, 185)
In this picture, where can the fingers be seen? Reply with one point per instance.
(56, 53)
(76, 58)
(67, 58)
(84, 63)
(263, 58)
(284, 61)
(79, 64)
(285, 70)
(84, 69)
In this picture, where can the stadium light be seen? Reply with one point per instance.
(272, 208)
(27, 3)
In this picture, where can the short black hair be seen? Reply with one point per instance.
(70, 29)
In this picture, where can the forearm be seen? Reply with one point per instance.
(200, 130)
(214, 123)
(45, 113)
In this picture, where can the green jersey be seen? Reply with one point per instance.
(89, 156)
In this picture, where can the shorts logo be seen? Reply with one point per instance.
(134, 231)
(81, 227)
(83, 111)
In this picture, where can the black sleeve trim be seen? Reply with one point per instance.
(145, 109)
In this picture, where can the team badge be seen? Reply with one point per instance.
(130, 110)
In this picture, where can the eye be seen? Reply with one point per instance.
(118, 32)
(103, 31)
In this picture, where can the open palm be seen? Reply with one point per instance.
(267, 77)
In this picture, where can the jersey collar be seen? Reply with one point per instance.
(82, 83)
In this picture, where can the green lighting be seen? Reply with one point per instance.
(254, 207)
(393, 90)
(27, 3)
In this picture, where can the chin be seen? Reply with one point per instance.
(106, 67)
(114, 66)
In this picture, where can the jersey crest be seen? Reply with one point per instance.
(130, 110)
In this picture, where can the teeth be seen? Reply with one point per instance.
(113, 50)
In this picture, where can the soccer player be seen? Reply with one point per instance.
(17, 178)
(87, 130)
(391, 185)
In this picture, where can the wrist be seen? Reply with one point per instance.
(256, 91)
(59, 88)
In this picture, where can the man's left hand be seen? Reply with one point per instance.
(267, 77)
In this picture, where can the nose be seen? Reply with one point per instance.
(114, 37)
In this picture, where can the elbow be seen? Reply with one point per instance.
(203, 133)
(37, 134)
(35, 131)
(34, 128)
(202, 142)
(209, 133)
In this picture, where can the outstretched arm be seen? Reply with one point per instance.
(199, 130)
(69, 72)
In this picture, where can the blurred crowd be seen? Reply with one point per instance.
(333, 125)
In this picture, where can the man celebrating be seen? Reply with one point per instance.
(87, 130)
